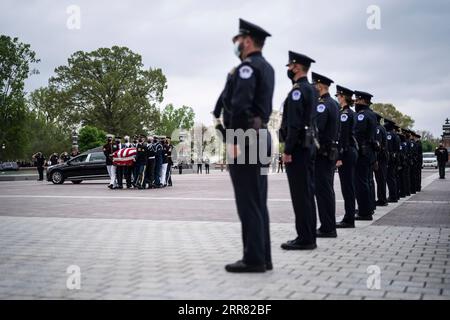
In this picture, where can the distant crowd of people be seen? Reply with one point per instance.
(40, 161)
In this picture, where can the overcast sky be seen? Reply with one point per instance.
(406, 62)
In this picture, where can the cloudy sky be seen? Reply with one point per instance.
(406, 62)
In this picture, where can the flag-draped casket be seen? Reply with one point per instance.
(124, 157)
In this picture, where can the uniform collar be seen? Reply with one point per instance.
(346, 107)
(302, 79)
(254, 53)
(326, 95)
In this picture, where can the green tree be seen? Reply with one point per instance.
(90, 137)
(389, 111)
(16, 59)
(172, 118)
(109, 89)
(429, 142)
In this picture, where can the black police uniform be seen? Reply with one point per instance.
(365, 130)
(296, 132)
(419, 164)
(441, 154)
(413, 166)
(393, 149)
(250, 93)
(348, 154)
(382, 161)
(328, 125)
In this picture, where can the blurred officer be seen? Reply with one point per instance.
(120, 170)
(348, 154)
(297, 133)
(413, 162)
(141, 162)
(64, 157)
(150, 172)
(407, 163)
(401, 180)
(54, 159)
(170, 162)
(419, 163)
(40, 163)
(128, 170)
(442, 159)
(328, 126)
(382, 163)
(393, 149)
(207, 165)
(108, 150)
(249, 96)
(365, 131)
(158, 148)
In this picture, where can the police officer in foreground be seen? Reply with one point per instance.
(348, 155)
(328, 126)
(249, 94)
(441, 154)
(393, 149)
(297, 132)
(382, 163)
(365, 130)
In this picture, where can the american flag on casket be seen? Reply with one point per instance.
(124, 157)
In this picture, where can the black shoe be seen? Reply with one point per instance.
(392, 201)
(269, 266)
(345, 225)
(241, 267)
(382, 203)
(297, 245)
(364, 218)
(320, 234)
(111, 186)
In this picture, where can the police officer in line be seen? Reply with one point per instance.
(407, 163)
(248, 99)
(348, 155)
(412, 161)
(297, 131)
(382, 163)
(441, 154)
(401, 178)
(419, 162)
(393, 149)
(365, 131)
(328, 126)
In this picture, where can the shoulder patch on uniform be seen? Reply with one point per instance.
(378, 131)
(344, 117)
(245, 72)
(389, 137)
(296, 95)
(321, 108)
(360, 117)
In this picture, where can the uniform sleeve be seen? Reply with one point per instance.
(321, 117)
(294, 121)
(243, 95)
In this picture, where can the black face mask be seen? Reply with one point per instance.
(359, 107)
(291, 75)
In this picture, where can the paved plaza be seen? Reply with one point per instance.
(173, 243)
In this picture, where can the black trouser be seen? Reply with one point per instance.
(413, 177)
(391, 180)
(347, 179)
(363, 192)
(128, 171)
(41, 172)
(119, 175)
(250, 189)
(324, 190)
(180, 169)
(373, 205)
(280, 167)
(380, 176)
(199, 168)
(419, 177)
(207, 168)
(300, 175)
(150, 172)
(169, 174)
(442, 170)
(407, 180)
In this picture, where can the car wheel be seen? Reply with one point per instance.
(77, 181)
(57, 177)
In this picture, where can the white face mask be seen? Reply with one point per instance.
(237, 49)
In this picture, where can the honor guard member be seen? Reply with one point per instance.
(382, 163)
(348, 154)
(365, 130)
(297, 133)
(419, 162)
(250, 96)
(328, 126)
(120, 170)
(401, 179)
(393, 149)
(128, 170)
(407, 162)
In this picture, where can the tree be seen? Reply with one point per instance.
(90, 138)
(429, 142)
(172, 118)
(389, 111)
(15, 61)
(109, 89)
